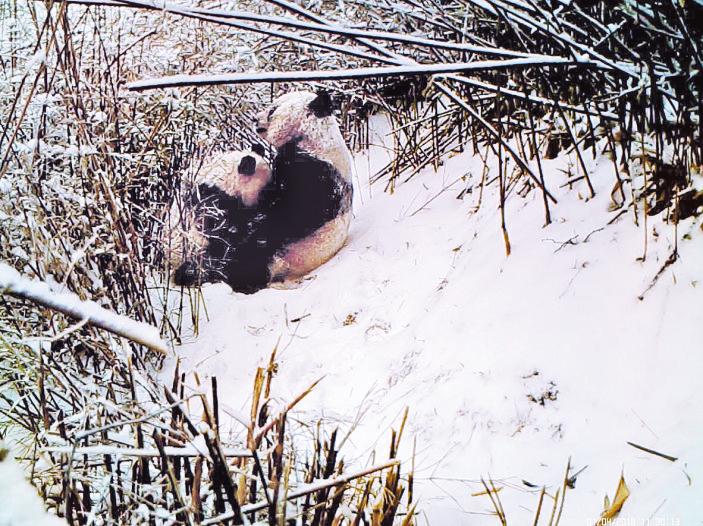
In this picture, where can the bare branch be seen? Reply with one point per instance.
(357, 73)
(13, 284)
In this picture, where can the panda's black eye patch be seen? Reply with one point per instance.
(247, 166)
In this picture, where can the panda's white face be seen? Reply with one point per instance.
(291, 117)
(238, 174)
(306, 117)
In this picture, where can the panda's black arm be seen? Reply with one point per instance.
(310, 195)
(227, 216)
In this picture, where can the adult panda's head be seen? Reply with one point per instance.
(306, 119)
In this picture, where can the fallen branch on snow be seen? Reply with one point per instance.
(653, 452)
(14, 284)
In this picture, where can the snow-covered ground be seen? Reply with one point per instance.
(21, 505)
(509, 365)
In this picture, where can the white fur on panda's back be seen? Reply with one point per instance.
(304, 256)
(319, 137)
(221, 171)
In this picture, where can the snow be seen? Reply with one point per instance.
(423, 309)
(21, 505)
(37, 59)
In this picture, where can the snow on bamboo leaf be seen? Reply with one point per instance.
(357, 73)
(200, 14)
(14, 284)
(20, 502)
(495, 6)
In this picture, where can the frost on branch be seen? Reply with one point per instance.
(13, 284)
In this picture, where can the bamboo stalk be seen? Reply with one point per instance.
(331, 29)
(357, 73)
(301, 492)
(171, 451)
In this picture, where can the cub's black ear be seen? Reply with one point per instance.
(258, 149)
(247, 166)
(321, 106)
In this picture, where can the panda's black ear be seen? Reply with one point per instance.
(247, 166)
(321, 106)
(258, 149)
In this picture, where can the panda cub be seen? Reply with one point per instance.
(305, 209)
(201, 228)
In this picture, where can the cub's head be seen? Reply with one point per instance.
(239, 174)
(299, 115)
(192, 244)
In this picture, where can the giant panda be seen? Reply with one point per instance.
(200, 227)
(305, 211)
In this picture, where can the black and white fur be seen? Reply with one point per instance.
(201, 224)
(305, 210)
(300, 217)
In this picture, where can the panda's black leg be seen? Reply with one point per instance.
(249, 274)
